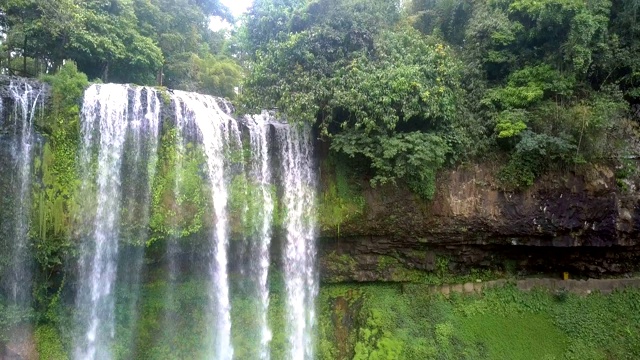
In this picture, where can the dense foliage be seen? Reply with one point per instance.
(389, 322)
(402, 87)
(145, 42)
(406, 88)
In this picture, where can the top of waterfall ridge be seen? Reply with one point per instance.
(224, 104)
(6, 80)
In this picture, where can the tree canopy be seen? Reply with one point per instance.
(408, 86)
(401, 87)
(152, 42)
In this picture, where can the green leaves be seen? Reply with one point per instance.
(414, 157)
(510, 123)
(379, 90)
(530, 85)
(130, 41)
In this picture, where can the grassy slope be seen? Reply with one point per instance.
(406, 323)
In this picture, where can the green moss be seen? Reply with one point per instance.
(395, 270)
(180, 193)
(340, 266)
(246, 206)
(339, 310)
(49, 343)
(163, 93)
(340, 200)
(530, 336)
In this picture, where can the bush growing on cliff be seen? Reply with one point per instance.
(382, 94)
(67, 88)
(180, 196)
(54, 199)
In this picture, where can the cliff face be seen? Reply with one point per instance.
(585, 224)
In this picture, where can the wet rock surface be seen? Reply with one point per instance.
(586, 224)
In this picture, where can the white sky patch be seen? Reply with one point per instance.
(237, 7)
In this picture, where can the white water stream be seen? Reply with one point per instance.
(261, 173)
(110, 112)
(299, 182)
(120, 132)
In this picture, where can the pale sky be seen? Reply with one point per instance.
(237, 7)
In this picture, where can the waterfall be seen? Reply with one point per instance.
(20, 102)
(266, 164)
(261, 173)
(299, 183)
(216, 129)
(24, 100)
(110, 114)
(173, 246)
(138, 172)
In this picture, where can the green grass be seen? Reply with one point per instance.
(397, 322)
(516, 336)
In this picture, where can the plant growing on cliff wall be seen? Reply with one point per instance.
(180, 193)
(340, 200)
(246, 206)
(53, 198)
(49, 344)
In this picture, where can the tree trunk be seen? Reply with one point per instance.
(105, 73)
(24, 57)
(8, 61)
(160, 76)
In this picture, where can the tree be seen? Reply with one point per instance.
(377, 89)
(120, 40)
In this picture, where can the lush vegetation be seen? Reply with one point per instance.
(164, 42)
(386, 322)
(393, 322)
(405, 88)
(536, 85)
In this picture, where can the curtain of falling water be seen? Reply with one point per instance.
(299, 183)
(18, 143)
(138, 171)
(26, 99)
(110, 113)
(216, 128)
(173, 246)
(261, 174)
(104, 123)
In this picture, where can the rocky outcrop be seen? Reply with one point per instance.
(586, 224)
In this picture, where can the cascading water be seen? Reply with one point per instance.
(138, 172)
(173, 246)
(216, 129)
(261, 173)
(110, 113)
(118, 162)
(23, 101)
(25, 98)
(299, 183)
